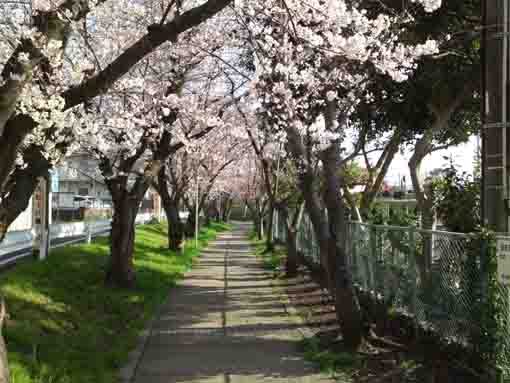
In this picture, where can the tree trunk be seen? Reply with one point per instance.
(348, 310)
(382, 167)
(190, 223)
(215, 211)
(121, 272)
(306, 183)
(256, 223)
(227, 210)
(355, 211)
(428, 222)
(175, 230)
(208, 214)
(21, 186)
(425, 207)
(292, 225)
(4, 366)
(170, 205)
(291, 266)
(269, 229)
(347, 307)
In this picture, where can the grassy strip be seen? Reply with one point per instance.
(66, 326)
(272, 260)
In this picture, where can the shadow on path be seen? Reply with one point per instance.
(225, 323)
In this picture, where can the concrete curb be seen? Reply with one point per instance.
(128, 372)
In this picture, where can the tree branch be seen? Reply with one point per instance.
(156, 36)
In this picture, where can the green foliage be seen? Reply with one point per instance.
(339, 364)
(492, 310)
(66, 326)
(354, 174)
(457, 200)
(288, 190)
(396, 217)
(437, 80)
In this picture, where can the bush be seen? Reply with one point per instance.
(457, 201)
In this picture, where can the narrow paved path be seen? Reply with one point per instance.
(225, 324)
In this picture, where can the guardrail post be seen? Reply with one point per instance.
(89, 233)
(44, 244)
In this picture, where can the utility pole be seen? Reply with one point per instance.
(495, 114)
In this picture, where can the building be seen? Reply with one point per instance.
(80, 184)
(79, 191)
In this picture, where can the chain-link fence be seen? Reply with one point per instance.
(434, 277)
(305, 238)
(427, 274)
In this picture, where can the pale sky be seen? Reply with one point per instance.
(463, 156)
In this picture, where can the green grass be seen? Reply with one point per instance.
(338, 364)
(270, 260)
(66, 326)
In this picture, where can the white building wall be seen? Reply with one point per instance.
(24, 221)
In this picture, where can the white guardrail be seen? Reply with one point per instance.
(20, 244)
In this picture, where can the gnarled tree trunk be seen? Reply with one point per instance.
(292, 224)
(225, 217)
(120, 271)
(190, 222)
(328, 230)
(257, 215)
(347, 307)
(170, 205)
(425, 205)
(269, 228)
(21, 186)
(380, 170)
(175, 230)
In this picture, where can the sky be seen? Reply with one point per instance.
(462, 155)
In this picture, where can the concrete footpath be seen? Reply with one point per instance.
(224, 323)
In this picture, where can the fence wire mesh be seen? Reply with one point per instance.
(430, 275)
(426, 274)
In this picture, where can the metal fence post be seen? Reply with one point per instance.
(371, 256)
(353, 238)
(276, 228)
(413, 276)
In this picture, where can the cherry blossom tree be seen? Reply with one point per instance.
(133, 147)
(213, 159)
(268, 152)
(42, 79)
(250, 189)
(206, 161)
(312, 61)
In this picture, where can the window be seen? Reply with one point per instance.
(83, 191)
